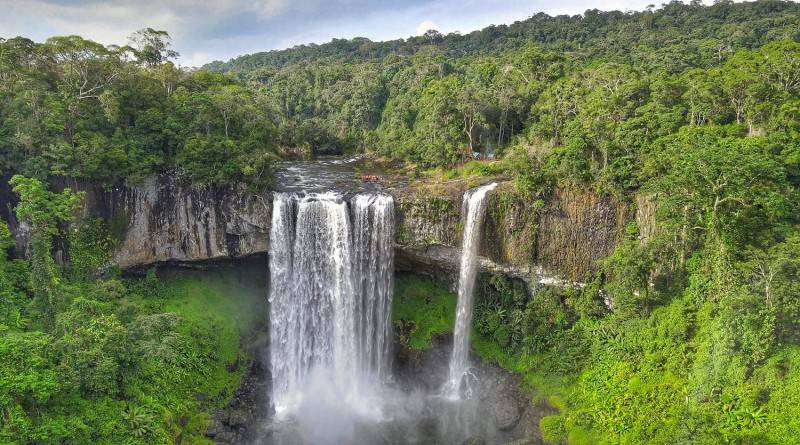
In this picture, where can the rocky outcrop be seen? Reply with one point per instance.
(164, 220)
(646, 216)
(442, 262)
(556, 240)
(578, 228)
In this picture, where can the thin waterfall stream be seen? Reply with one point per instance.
(473, 210)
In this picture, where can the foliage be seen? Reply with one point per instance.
(44, 210)
(110, 361)
(686, 334)
(72, 107)
(628, 377)
(583, 97)
(421, 309)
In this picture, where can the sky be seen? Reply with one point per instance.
(203, 31)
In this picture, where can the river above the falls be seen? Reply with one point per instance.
(346, 175)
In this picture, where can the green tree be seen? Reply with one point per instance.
(44, 210)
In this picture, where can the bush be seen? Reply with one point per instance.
(553, 430)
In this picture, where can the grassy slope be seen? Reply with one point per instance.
(421, 308)
(218, 309)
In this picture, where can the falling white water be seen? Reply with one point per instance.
(330, 299)
(473, 209)
(373, 241)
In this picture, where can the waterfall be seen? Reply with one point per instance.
(373, 233)
(283, 315)
(331, 268)
(473, 210)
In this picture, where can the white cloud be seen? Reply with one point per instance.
(196, 58)
(425, 26)
(270, 8)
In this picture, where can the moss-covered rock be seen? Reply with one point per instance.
(511, 226)
(424, 220)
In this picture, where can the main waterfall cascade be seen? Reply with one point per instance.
(473, 210)
(330, 296)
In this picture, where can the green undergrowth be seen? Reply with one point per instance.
(544, 385)
(424, 307)
(421, 309)
(218, 311)
(612, 379)
(133, 361)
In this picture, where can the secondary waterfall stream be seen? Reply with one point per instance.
(473, 210)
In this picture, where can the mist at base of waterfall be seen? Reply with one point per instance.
(327, 415)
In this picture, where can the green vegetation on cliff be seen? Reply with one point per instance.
(91, 359)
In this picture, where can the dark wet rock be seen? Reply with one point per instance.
(500, 402)
(242, 418)
(238, 417)
(215, 428)
(505, 410)
(226, 437)
(424, 370)
(234, 366)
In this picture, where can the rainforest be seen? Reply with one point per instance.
(570, 229)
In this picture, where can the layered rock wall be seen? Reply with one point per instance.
(556, 239)
(165, 220)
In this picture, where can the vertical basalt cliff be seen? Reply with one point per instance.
(558, 238)
(163, 219)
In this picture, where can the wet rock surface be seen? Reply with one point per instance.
(505, 410)
(242, 418)
(512, 417)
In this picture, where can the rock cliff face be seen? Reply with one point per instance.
(555, 240)
(164, 220)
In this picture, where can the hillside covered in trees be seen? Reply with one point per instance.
(694, 109)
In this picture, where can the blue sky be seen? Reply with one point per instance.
(219, 30)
